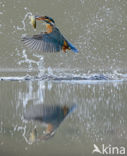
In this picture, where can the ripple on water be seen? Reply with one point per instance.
(72, 78)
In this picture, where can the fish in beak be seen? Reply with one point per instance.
(33, 21)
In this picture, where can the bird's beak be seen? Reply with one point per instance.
(40, 17)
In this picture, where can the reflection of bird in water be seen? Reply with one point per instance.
(50, 41)
(51, 115)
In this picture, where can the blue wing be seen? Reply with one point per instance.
(48, 42)
(43, 42)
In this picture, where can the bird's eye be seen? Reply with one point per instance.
(47, 20)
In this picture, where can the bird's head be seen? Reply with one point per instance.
(46, 19)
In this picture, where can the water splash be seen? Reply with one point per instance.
(33, 95)
(23, 21)
(39, 63)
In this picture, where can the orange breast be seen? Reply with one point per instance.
(48, 28)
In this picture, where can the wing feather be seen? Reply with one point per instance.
(52, 42)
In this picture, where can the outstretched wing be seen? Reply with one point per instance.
(44, 42)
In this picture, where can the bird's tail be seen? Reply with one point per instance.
(72, 47)
(72, 108)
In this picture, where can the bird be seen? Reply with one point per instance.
(51, 115)
(50, 41)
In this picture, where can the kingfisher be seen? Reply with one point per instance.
(50, 41)
(50, 115)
